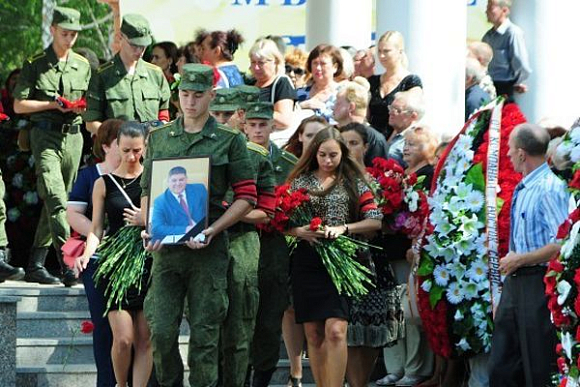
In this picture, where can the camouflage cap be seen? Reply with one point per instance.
(248, 94)
(197, 77)
(226, 100)
(67, 18)
(136, 29)
(263, 110)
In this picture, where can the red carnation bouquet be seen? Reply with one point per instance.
(66, 104)
(338, 255)
(399, 196)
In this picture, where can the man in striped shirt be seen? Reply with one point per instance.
(522, 351)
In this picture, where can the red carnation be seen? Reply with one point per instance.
(575, 183)
(87, 327)
(315, 224)
(564, 381)
(555, 265)
(559, 348)
(564, 229)
(562, 366)
(578, 334)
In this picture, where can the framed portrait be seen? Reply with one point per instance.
(178, 199)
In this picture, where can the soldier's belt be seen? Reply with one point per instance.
(63, 128)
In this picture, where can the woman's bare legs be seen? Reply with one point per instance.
(360, 365)
(294, 341)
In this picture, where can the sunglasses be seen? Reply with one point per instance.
(296, 70)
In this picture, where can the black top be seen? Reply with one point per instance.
(475, 97)
(284, 90)
(377, 145)
(115, 201)
(426, 171)
(378, 106)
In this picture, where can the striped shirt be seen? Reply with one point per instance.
(539, 206)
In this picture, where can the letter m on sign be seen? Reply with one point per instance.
(248, 2)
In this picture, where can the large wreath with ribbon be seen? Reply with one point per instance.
(467, 233)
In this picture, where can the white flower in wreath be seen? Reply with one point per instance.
(463, 143)
(470, 225)
(563, 150)
(444, 227)
(455, 293)
(455, 205)
(575, 154)
(482, 286)
(441, 275)
(426, 286)
(31, 197)
(465, 246)
(568, 343)
(463, 190)
(13, 214)
(462, 166)
(458, 315)
(457, 269)
(568, 246)
(448, 253)
(432, 248)
(437, 216)
(481, 245)
(563, 289)
(452, 181)
(477, 272)
(17, 180)
(474, 201)
(470, 290)
(575, 135)
(463, 344)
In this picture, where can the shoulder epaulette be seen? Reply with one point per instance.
(289, 157)
(37, 56)
(227, 129)
(105, 66)
(81, 58)
(257, 148)
(152, 66)
(155, 129)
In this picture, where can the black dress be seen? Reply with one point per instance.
(314, 295)
(379, 106)
(115, 204)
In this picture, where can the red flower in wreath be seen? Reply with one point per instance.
(575, 183)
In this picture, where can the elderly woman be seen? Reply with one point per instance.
(325, 64)
(396, 78)
(267, 66)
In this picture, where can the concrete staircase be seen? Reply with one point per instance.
(48, 315)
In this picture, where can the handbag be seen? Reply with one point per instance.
(72, 249)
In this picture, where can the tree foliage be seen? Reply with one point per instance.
(21, 30)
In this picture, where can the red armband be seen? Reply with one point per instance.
(3, 117)
(266, 202)
(163, 115)
(245, 190)
(367, 202)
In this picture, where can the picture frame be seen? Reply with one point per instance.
(178, 208)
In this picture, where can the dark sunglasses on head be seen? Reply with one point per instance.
(297, 70)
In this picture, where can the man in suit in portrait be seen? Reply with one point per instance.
(179, 209)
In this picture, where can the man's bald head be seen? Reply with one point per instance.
(531, 138)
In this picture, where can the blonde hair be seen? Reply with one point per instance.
(297, 58)
(267, 49)
(398, 40)
(357, 92)
(428, 140)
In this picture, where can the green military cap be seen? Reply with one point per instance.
(248, 94)
(264, 110)
(197, 77)
(136, 29)
(226, 100)
(67, 18)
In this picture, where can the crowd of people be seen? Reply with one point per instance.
(314, 120)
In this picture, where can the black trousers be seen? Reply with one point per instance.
(524, 339)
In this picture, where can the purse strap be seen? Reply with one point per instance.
(122, 191)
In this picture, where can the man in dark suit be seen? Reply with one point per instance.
(179, 209)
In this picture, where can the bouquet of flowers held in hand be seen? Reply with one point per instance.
(338, 255)
(122, 263)
(399, 196)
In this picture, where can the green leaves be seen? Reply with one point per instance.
(475, 177)
(435, 295)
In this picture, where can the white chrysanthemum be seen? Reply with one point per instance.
(462, 166)
(470, 225)
(426, 286)
(478, 271)
(563, 289)
(441, 275)
(412, 199)
(474, 201)
(470, 290)
(463, 143)
(575, 135)
(454, 293)
(464, 345)
(458, 315)
(481, 245)
(452, 181)
(575, 154)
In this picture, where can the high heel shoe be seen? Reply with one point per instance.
(294, 382)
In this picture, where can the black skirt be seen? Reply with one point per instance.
(134, 298)
(315, 296)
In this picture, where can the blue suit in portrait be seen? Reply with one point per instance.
(168, 216)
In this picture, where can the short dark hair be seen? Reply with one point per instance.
(532, 138)
(358, 128)
(325, 49)
(132, 129)
(179, 170)
(106, 134)
(171, 51)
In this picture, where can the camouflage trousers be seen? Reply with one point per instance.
(57, 157)
(273, 275)
(238, 328)
(200, 277)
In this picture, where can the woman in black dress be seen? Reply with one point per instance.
(130, 330)
(336, 184)
(391, 54)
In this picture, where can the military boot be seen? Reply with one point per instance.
(8, 272)
(36, 272)
(68, 275)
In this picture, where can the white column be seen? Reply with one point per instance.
(436, 48)
(551, 29)
(338, 22)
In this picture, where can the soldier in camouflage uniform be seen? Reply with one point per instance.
(238, 328)
(225, 105)
(274, 255)
(55, 137)
(127, 87)
(197, 271)
(7, 272)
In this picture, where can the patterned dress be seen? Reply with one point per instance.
(315, 296)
